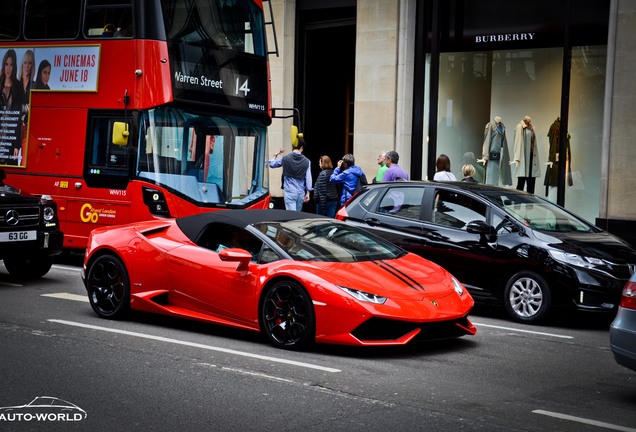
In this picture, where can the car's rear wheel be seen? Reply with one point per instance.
(28, 267)
(527, 297)
(108, 287)
(287, 315)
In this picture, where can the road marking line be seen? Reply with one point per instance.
(67, 268)
(68, 296)
(585, 421)
(197, 345)
(10, 284)
(525, 331)
(258, 375)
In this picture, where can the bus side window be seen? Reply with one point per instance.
(10, 20)
(107, 162)
(46, 19)
(104, 152)
(108, 19)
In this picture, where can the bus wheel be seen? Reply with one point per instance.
(28, 267)
(108, 287)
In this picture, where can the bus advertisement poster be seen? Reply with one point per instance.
(51, 68)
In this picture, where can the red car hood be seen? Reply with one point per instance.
(409, 277)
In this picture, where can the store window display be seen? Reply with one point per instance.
(526, 155)
(495, 156)
(478, 87)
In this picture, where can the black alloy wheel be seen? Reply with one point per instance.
(108, 287)
(287, 315)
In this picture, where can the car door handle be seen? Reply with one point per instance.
(434, 235)
(372, 222)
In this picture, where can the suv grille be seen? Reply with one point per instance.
(22, 217)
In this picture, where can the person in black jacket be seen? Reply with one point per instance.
(325, 192)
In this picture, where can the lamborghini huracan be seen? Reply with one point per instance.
(296, 277)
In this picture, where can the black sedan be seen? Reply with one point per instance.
(507, 247)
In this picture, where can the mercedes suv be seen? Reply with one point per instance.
(29, 232)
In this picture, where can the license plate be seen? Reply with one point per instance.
(18, 236)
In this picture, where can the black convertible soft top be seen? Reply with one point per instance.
(193, 226)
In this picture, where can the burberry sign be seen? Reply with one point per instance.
(506, 37)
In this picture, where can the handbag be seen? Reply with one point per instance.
(494, 155)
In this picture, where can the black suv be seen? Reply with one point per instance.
(29, 232)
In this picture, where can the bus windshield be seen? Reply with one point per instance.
(207, 159)
(236, 25)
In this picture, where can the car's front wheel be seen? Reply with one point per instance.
(108, 287)
(28, 267)
(287, 315)
(527, 297)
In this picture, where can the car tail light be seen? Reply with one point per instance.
(628, 300)
(342, 214)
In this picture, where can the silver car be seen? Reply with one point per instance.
(623, 328)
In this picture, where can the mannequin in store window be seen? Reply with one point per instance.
(552, 172)
(526, 155)
(495, 155)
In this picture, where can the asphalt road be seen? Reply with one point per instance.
(159, 374)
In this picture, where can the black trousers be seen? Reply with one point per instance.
(521, 182)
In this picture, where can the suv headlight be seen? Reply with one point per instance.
(48, 213)
(576, 260)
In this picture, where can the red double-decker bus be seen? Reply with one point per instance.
(126, 110)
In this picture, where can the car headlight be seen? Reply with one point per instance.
(458, 287)
(363, 296)
(576, 260)
(48, 213)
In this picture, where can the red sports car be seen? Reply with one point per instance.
(297, 277)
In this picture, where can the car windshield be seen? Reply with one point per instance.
(325, 240)
(537, 213)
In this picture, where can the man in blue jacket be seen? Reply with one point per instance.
(347, 173)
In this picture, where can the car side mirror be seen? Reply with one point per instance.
(483, 229)
(241, 256)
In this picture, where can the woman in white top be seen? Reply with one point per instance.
(443, 169)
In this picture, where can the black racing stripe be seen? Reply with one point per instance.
(412, 283)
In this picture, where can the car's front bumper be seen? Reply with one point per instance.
(47, 243)
(591, 290)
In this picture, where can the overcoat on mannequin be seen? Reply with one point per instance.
(552, 172)
(525, 150)
(495, 143)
